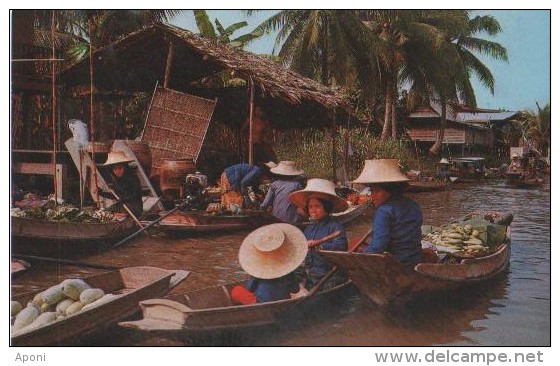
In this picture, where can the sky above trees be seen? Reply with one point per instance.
(521, 82)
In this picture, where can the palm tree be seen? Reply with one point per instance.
(102, 27)
(460, 62)
(331, 46)
(536, 127)
(223, 35)
(405, 34)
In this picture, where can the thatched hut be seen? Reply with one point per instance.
(177, 59)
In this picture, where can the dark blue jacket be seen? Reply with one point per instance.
(315, 265)
(397, 230)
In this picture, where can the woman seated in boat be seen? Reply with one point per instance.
(397, 219)
(319, 200)
(270, 255)
(286, 181)
(126, 185)
(235, 180)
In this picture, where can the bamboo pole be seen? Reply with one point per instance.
(251, 108)
(53, 109)
(334, 146)
(91, 114)
(170, 54)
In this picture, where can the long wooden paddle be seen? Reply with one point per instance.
(185, 203)
(136, 220)
(316, 288)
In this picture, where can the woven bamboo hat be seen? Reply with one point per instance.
(288, 168)
(318, 188)
(443, 161)
(116, 157)
(381, 171)
(273, 251)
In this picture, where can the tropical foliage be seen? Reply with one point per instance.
(434, 53)
(535, 127)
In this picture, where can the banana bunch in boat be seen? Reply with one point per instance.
(69, 297)
(464, 238)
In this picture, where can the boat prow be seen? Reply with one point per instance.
(384, 280)
(129, 286)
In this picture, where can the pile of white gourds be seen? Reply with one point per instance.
(57, 302)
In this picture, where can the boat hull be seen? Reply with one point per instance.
(419, 186)
(384, 280)
(134, 284)
(190, 222)
(66, 239)
(209, 310)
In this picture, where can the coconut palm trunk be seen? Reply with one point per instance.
(436, 147)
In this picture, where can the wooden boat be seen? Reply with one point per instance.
(468, 169)
(132, 284)
(18, 266)
(353, 212)
(202, 222)
(66, 239)
(211, 309)
(426, 186)
(384, 280)
(519, 180)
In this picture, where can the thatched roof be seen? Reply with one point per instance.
(137, 61)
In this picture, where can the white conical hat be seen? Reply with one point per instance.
(319, 188)
(443, 161)
(273, 251)
(116, 157)
(381, 171)
(288, 168)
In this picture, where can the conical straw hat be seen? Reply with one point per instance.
(443, 161)
(381, 171)
(116, 157)
(288, 168)
(273, 251)
(319, 188)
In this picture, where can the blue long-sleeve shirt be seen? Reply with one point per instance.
(397, 230)
(316, 266)
(277, 195)
(240, 176)
(273, 289)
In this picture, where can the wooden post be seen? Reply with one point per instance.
(91, 115)
(168, 64)
(333, 116)
(53, 109)
(251, 107)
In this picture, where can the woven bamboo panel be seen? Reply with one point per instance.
(176, 125)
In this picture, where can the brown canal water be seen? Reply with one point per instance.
(513, 310)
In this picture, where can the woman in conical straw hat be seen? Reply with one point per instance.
(442, 170)
(125, 183)
(397, 219)
(286, 181)
(270, 254)
(318, 200)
